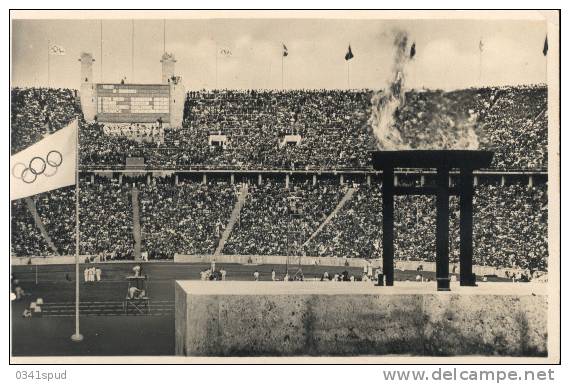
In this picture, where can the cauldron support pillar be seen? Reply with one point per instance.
(388, 225)
(442, 229)
(466, 276)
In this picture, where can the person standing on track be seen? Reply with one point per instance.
(86, 274)
(223, 273)
(98, 273)
(273, 275)
(256, 275)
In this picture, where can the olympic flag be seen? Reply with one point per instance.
(46, 165)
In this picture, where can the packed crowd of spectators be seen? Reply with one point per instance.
(37, 112)
(57, 211)
(187, 218)
(26, 238)
(334, 129)
(511, 226)
(356, 230)
(333, 125)
(277, 221)
(190, 217)
(106, 218)
(106, 221)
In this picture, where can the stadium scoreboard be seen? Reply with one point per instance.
(133, 103)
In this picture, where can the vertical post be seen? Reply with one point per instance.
(388, 225)
(287, 180)
(101, 50)
(259, 179)
(77, 336)
(48, 74)
(368, 180)
(348, 73)
(442, 229)
(232, 179)
(204, 179)
(281, 70)
(132, 51)
(466, 276)
(314, 179)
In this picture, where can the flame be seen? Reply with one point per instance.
(445, 130)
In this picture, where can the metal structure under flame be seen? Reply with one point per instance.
(443, 161)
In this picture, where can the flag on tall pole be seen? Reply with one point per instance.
(53, 50)
(223, 53)
(545, 48)
(285, 54)
(480, 59)
(49, 164)
(348, 56)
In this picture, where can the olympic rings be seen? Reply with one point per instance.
(37, 166)
(34, 164)
(55, 160)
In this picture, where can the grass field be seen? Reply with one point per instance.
(107, 330)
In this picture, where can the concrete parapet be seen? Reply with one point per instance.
(349, 319)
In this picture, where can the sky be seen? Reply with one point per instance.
(447, 52)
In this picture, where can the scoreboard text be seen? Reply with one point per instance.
(133, 103)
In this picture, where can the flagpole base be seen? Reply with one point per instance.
(77, 337)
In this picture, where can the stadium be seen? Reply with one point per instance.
(276, 185)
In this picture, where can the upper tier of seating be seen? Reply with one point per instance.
(333, 125)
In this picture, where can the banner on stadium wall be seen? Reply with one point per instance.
(290, 139)
(218, 140)
(46, 165)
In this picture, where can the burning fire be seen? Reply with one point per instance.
(444, 130)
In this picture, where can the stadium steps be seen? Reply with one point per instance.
(347, 196)
(136, 222)
(103, 308)
(233, 219)
(38, 220)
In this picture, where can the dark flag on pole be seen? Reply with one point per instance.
(349, 54)
(545, 49)
(413, 50)
(285, 51)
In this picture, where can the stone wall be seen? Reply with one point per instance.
(348, 319)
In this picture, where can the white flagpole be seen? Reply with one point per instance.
(348, 72)
(77, 336)
(282, 69)
(132, 51)
(101, 49)
(48, 82)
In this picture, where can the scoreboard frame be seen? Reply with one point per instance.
(115, 103)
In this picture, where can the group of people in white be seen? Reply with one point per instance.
(212, 273)
(92, 274)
